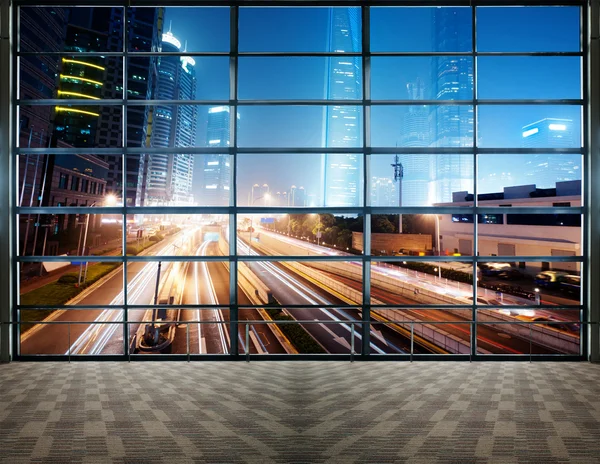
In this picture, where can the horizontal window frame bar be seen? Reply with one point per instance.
(309, 3)
(297, 103)
(357, 210)
(290, 54)
(380, 150)
(476, 259)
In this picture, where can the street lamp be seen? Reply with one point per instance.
(266, 196)
(538, 298)
(318, 229)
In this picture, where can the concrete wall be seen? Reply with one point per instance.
(393, 242)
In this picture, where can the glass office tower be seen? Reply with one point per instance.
(342, 127)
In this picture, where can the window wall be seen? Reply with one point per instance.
(390, 182)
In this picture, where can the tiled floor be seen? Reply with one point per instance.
(300, 412)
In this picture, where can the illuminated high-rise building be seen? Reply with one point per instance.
(414, 132)
(169, 175)
(451, 125)
(383, 192)
(343, 124)
(217, 169)
(546, 169)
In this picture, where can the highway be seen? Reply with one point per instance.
(290, 289)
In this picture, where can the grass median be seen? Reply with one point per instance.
(59, 292)
(296, 334)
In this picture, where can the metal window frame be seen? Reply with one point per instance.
(9, 142)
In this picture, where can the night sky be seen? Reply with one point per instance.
(510, 29)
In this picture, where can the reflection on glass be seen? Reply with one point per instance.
(529, 126)
(278, 180)
(296, 234)
(419, 179)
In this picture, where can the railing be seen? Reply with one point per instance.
(248, 325)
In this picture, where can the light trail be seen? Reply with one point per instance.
(95, 338)
(311, 296)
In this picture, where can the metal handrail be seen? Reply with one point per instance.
(249, 323)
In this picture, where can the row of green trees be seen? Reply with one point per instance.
(337, 230)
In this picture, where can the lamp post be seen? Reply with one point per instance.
(109, 200)
(538, 297)
(318, 229)
(266, 196)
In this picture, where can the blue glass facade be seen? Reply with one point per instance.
(343, 127)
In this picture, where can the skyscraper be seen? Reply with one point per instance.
(415, 132)
(546, 169)
(342, 124)
(169, 176)
(217, 170)
(383, 192)
(451, 125)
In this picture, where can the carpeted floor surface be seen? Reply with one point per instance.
(300, 412)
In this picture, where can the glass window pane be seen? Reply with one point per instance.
(420, 282)
(300, 126)
(426, 179)
(416, 235)
(178, 78)
(202, 29)
(422, 78)
(299, 180)
(285, 30)
(301, 234)
(422, 126)
(83, 336)
(71, 29)
(529, 77)
(515, 283)
(529, 126)
(528, 29)
(178, 125)
(206, 330)
(75, 126)
(103, 283)
(69, 180)
(70, 234)
(435, 331)
(423, 29)
(503, 177)
(180, 282)
(300, 78)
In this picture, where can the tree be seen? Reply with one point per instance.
(382, 224)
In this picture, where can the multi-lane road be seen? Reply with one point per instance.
(205, 330)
